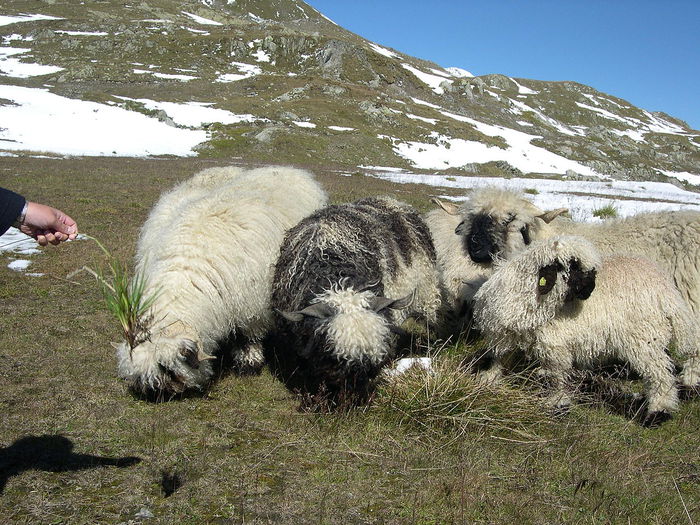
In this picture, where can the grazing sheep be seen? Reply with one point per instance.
(500, 223)
(207, 252)
(459, 275)
(564, 307)
(347, 276)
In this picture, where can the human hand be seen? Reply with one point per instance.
(47, 224)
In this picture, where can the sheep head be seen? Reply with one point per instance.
(353, 325)
(501, 223)
(530, 289)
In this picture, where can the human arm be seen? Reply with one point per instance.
(11, 205)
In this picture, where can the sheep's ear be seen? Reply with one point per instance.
(380, 303)
(449, 207)
(546, 279)
(550, 215)
(461, 228)
(317, 310)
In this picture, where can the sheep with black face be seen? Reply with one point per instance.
(460, 276)
(501, 223)
(347, 277)
(565, 307)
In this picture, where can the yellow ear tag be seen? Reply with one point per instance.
(543, 281)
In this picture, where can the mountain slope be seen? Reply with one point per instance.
(282, 83)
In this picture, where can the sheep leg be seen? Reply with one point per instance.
(493, 374)
(689, 377)
(558, 395)
(249, 359)
(555, 371)
(655, 368)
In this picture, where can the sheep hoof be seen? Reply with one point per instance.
(654, 419)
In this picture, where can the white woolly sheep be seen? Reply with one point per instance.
(460, 276)
(347, 276)
(500, 223)
(207, 252)
(565, 308)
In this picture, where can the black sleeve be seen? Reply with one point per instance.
(11, 205)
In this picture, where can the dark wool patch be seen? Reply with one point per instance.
(485, 238)
(581, 284)
(547, 277)
(367, 236)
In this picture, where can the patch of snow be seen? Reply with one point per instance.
(685, 176)
(198, 31)
(261, 56)
(244, 71)
(423, 103)
(401, 366)
(256, 18)
(447, 152)
(303, 124)
(431, 121)
(440, 72)
(15, 37)
(42, 121)
(382, 168)
(14, 241)
(592, 98)
(82, 33)
(340, 128)
(458, 72)
(19, 265)
(7, 20)
(433, 81)
(13, 67)
(201, 20)
(524, 90)
(635, 135)
(166, 76)
(194, 114)
(582, 198)
(521, 107)
(383, 51)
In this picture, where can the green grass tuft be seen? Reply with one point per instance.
(606, 212)
(125, 298)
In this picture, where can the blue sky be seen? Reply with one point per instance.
(644, 51)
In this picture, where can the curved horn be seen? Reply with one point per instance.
(449, 207)
(550, 215)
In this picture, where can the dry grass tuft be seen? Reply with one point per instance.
(449, 398)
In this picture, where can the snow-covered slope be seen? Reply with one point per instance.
(276, 80)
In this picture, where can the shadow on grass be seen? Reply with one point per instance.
(50, 453)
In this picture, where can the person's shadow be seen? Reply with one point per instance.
(52, 453)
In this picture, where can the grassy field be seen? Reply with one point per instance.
(76, 447)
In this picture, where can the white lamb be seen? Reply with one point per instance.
(207, 254)
(564, 307)
(501, 223)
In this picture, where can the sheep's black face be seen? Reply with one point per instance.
(481, 237)
(581, 283)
